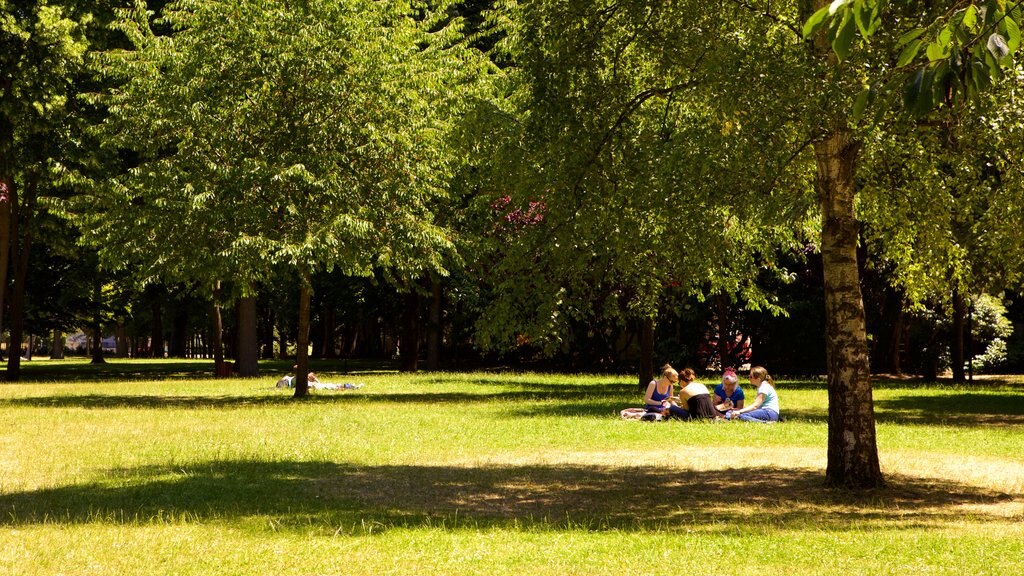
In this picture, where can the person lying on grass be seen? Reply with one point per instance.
(289, 381)
(658, 398)
(728, 394)
(765, 407)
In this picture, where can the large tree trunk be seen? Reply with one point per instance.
(410, 338)
(434, 326)
(956, 345)
(248, 345)
(302, 339)
(852, 451)
(646, 352)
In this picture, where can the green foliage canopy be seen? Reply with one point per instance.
(265, 132)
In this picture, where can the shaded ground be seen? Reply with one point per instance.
(350, 498)
(173, 369)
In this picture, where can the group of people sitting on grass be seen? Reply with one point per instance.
(694, 401)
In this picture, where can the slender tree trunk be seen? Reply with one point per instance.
(302, 339)
(410, 338)
(217, 335)
(852, 450)
(434, 326)
(646, 352)
(6, 197)
(957, 343)
(8, 194)
(57, 349)
(21, 245)
(248, 346)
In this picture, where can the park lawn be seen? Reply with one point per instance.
(149, 468)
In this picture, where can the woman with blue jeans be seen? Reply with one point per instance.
(765, 407)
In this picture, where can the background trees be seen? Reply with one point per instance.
(305, 136)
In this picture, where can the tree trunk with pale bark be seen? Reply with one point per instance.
(852, 450)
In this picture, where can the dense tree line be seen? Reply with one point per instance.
(820, 187)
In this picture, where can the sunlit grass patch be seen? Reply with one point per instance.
(489, 473)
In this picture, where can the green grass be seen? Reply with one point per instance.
(152, 468)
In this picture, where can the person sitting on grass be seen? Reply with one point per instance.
(658, 399)
(766, 406)
(696, 395)
(728, 394)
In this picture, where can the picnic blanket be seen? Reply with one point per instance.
(641, 414)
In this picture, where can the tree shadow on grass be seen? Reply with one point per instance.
(964, 409)
(115, 370)
(592, 401)
(347, 498)
(125, 370)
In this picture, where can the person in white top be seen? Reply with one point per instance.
(764, 408)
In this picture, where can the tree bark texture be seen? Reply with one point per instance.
(248, 344)
(852, 450)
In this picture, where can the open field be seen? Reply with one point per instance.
(149, 468)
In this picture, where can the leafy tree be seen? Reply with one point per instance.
(43, 46)
(963, 51)
(302, 134)
(635, 181)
